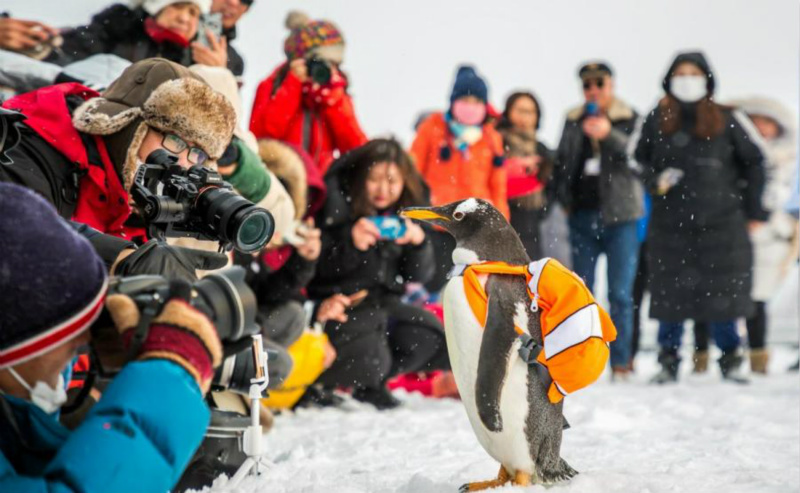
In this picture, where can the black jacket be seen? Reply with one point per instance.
(275, 286)
(700, 254)
(120, 31)
(620, 190)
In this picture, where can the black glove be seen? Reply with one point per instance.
(159, 258)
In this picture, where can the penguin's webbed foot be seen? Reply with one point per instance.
(502, 478)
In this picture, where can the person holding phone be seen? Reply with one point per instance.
(361, 251)
(304, 101)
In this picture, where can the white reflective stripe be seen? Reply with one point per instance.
(578, 327)
(560, 388)
(535, 269)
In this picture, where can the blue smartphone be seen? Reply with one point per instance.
(592, 109)
(391, 227)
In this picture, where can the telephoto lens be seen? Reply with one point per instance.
(235, 219)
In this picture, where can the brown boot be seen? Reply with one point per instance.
(759, 358)
(700, 362)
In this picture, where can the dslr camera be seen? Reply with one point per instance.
(318, 70)
(197, 203)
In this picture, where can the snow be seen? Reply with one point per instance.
(469, 205)
(701, 435)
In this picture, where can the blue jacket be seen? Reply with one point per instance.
(138, 438)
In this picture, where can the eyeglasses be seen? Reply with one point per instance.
(587, 84)
(177, 145)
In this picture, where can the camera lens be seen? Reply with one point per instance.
(235, 219)
(229, 302)
(319, 71)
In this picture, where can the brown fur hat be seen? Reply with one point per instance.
(163, 95)
(284, 162)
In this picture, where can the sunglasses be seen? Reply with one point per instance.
(587, 84)
(177, 145)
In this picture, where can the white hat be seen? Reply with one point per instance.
(153, 7)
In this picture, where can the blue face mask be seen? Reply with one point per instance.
(42, 395)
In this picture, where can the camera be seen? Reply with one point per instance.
(196, 202)
(319, 70)
(223, 296)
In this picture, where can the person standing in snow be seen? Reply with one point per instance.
(304, 101)
(460, 155)
(603, 196)
(703, 165)
(774, 245)
(382, 336)
(529, 166)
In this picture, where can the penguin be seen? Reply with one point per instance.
(505, 397)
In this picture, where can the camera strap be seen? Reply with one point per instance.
(148, 313)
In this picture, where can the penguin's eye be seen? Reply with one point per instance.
(458, 215)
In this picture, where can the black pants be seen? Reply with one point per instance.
(526, 222)
(378, 342)
(702, 335)
(757, 327)
(639, 287)
(443, 246)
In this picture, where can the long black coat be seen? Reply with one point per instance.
(700, 258)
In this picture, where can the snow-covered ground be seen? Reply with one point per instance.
(701, 435)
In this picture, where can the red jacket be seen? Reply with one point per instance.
(102, 201)
(283, 115)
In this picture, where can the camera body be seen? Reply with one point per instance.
(197, 203)
(319, 70)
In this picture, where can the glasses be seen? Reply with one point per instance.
(587, 84)
(177, 145)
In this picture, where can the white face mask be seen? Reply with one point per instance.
(688, 88)
(45, 397)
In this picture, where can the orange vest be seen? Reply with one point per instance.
(575, 329)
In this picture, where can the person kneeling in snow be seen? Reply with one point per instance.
(151, 418)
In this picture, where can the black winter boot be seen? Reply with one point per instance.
(318, 396)
(731, 365)
(381, 398)
(670, 361)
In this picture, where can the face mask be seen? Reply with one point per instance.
(43, 396)
(688, 88)
(469, 113)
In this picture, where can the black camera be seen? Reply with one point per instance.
(223, 296)
(197, 203)
(318, 70)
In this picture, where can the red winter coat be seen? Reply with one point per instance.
(102, 202)
(284, 116)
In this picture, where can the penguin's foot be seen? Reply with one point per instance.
(521, 479)
(502, 478)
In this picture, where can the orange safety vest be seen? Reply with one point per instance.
(576, 330)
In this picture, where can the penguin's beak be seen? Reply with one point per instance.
(427, 214)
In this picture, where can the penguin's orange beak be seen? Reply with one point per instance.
(423, 214)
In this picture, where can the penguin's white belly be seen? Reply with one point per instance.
(464, 335)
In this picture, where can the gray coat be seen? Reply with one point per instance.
(621, 191)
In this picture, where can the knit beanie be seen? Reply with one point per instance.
(468, 83)
(53, 282)
(153, 7)
(320, 38)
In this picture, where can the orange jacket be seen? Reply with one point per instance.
(458, 178)
(575, 329)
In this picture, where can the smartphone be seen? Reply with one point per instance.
(296, 236)
(592, 109)
(390, 227)
(209, 22)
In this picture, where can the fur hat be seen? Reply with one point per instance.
(53, 282)
(163, 95)
(320, 38)
(289, 168)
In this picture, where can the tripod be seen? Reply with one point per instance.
(252, 435)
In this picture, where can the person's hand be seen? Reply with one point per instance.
(215, 55)
(180, 333)
(312, 246)
(365, 234)
(20, 35)
(329, 355)
(753, 226)
(596, 127)
(299, 69)
(334, 308)
(414, 234)
(160, 258)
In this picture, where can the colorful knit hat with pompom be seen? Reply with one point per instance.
(320, 38)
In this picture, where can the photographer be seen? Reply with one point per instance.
(305, 101)
(150, 419)
(80, 150)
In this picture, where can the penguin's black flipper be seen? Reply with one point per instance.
(498, 340)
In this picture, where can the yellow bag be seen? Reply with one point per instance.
(308, 355)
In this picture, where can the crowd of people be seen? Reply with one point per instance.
(687, 201)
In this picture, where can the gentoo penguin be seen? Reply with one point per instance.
(505, 398)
